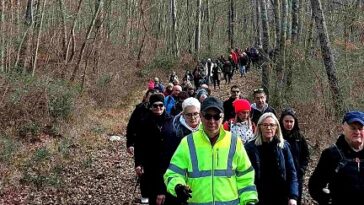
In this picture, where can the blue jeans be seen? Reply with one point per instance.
(241, 70)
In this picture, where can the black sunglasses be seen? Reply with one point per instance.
(235, 91)
(209, 117)
(157, 105)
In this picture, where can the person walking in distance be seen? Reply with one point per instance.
(229, 111)
(260, 105)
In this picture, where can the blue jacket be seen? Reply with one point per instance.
(276, 180)
(169, 102)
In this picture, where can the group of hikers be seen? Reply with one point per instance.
(192, 148)
(210, 71)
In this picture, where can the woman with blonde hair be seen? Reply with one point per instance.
(270, 155)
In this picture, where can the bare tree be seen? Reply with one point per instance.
(295, 20)
(327, 55)
(88, 34)
(277, 21)
(38, 37)
(209, 32)
(198, 29)
(281, 63)
(265, 41)
(174, 28)
(2, 36)
(231, 23)
(62, 11)
(258, 34)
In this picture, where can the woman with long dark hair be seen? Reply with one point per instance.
(291, 133)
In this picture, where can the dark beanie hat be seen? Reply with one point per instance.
(157, 97)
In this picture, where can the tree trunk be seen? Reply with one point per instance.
(38, 37)
(258, 40)
(231, 23)
(265, 40)
(88, 34)
(2, 36)
(277, 21)
(295, 13)
(198, 30)
(71, 41)
(327, 55)
(209, 34)
(300, 14)
(189, 27)
(64, 27)
(24, 51)
(174, 28)
(29, 12)
(281, 63)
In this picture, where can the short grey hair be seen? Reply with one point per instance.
(278, 135)
(191, 101)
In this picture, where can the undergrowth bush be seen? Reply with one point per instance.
(30, 103)
(163, 62)
(8, 146)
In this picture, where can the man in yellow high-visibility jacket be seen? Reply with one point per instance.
(210, 166)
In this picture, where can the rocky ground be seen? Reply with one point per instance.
(105, 174)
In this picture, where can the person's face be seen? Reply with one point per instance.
(268, 128)
(202, 98)
(243, 115)
(211, 120)
(157, 108)
(192, 116)
(235, 92)
(176, 91)
(354, 134)
(259, 99)
(288, 122)
(191, 91)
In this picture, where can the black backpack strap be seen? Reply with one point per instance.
(343, 160)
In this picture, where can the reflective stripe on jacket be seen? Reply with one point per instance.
(219, 174)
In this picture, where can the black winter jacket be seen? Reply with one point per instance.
(155, 144)
(229, 111)
(344, 176)
(133, 124)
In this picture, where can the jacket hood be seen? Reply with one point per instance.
(296, 128)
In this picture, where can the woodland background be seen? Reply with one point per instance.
(71, 72)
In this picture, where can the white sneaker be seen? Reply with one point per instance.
(144, 200)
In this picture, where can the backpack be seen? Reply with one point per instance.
(343, 160)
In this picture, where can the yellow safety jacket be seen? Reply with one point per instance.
(219, 174)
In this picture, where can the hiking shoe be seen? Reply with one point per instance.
(144, 200)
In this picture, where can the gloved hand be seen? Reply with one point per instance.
(183, 192)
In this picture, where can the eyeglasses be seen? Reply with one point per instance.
(266, 126)
(190, 115)
(209, 117)
(235, 91)
(157, 105)
(258, 90)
